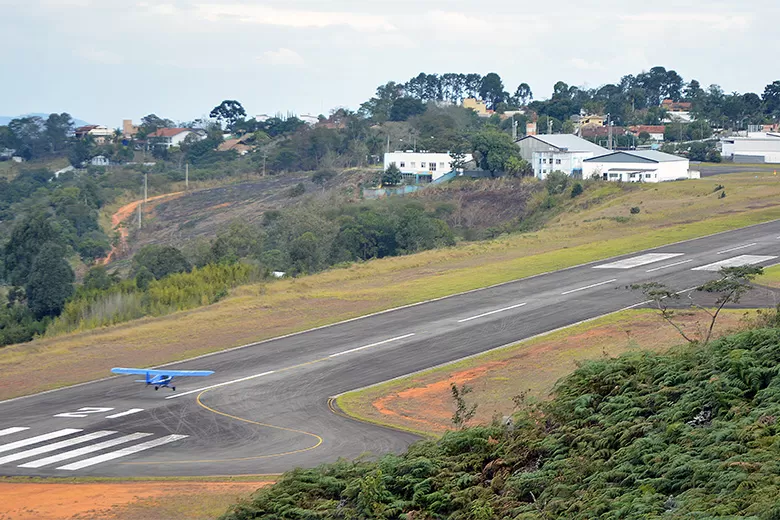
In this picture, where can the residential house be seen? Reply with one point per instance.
(557, 152)
(638, 166)
(98, 132)
(238, 144)
(677, 111)
(478, 106)
(758, 147)
(169, 137)
(422, 167)
(587, 120)
(656, 132)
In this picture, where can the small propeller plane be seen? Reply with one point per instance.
(160, 378)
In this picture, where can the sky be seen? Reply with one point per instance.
(108, 60)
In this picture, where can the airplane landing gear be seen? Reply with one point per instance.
(174, 388)
(156, 387)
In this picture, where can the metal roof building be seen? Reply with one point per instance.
(638, 166)
(557, 152)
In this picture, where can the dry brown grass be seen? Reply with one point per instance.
(670, 212)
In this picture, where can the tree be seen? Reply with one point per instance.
(556, 182)
(151, 123)
(50, 281)
(406, 107)
(463, 412)
(391, 176)
(230, 111)
(58, 127)
(491, 89)
(733, 283)
(321, 177)
(518, 167)
(160, 260)
(493, 149)
(771, 98)
(27, 238)
(523, 94)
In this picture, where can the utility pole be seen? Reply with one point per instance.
(514, 129)
(549, 125)
(187, 176)
(146, 186)
(265, 155)
(609, 132)
(387, 148)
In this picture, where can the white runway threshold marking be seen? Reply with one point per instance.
(737, 261)
(40, 438)
(124, 452)
(735, 249)
(638, 261)
(127, 412)
(589, 286)
(83, 451)
(492, 312)
(371, 345)
(15, 429)
(54, 446)
(669, 265)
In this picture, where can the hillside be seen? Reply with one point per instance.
(688, 434)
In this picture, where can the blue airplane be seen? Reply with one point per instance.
(160, 378)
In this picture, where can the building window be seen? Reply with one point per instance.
(441, 165)
(433, 166)
(402, 165)
(557, 161)
(411, 165)
(422, 165)
(647, 176)
(614, 175)
(544, 161)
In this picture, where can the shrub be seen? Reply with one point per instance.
(576, 190)
(556, 182)
(722, 194)
(635, 210)
(296, 191)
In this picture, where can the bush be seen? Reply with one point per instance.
(576, 190)
(296, 191)
(722, 194)
(635, 210)
(556, 182)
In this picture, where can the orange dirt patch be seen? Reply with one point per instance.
(424, 402)
(120, 501)
(121, 215)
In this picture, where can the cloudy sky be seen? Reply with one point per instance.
(105, 60)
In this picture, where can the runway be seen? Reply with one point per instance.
(265, 410)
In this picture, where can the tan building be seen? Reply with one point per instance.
(592, 120)
(478, 106)
(128, 128)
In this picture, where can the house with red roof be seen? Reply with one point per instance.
(169, 137)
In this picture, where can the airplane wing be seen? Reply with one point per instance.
(176, 373)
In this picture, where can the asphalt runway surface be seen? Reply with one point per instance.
(266, 409)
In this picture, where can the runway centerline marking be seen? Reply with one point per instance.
(398, 338)
(247, 378)
(669, 265)
(638, 261)
(492, 312)
(589, 286)
(735, 248)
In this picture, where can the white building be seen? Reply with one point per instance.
(169, 137)
(422, 167)
(757, 147)
(99, 160)
(638, 166)
(557, 152)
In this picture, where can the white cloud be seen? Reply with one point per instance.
(283, 56)
(263, 15)
(100, 56)
(694, 22)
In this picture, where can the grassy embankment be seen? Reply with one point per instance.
(597, 226)
(422, 403)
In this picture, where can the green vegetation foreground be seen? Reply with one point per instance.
(688, 434)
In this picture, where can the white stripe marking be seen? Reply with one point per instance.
(84, 451)
(174, 396)
(734, 262)
(638, 261)
(54, 446)
(735, 248)
(492, 312)
(15, 429)
(124, 452)
(669, 265)
(589, 286)
(371, 345)
(122, 414)
(39, 438)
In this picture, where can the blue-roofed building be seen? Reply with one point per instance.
(557, 152)
(638, 166)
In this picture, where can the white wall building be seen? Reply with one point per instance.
(557, 152)
(421, 167)
(169, 137)
(757, 147)
(639, 166)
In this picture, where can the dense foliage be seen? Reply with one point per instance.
(689, 434)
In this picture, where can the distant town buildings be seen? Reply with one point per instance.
(756, 147)
(169, 137)
(478, 106)
(655, 132)
(98, 132)
(128, 128)
(557, 152)
(638, 166)
(422, 167)
(677, 111)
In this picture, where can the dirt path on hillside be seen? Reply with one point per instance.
(121, 501)
(121, 215)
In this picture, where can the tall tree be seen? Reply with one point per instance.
(523, 94)
(771, 98)
(27, 239)
(493, 149)
(230, 111)
(491, 89)
(50, 281)
(58, 128)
